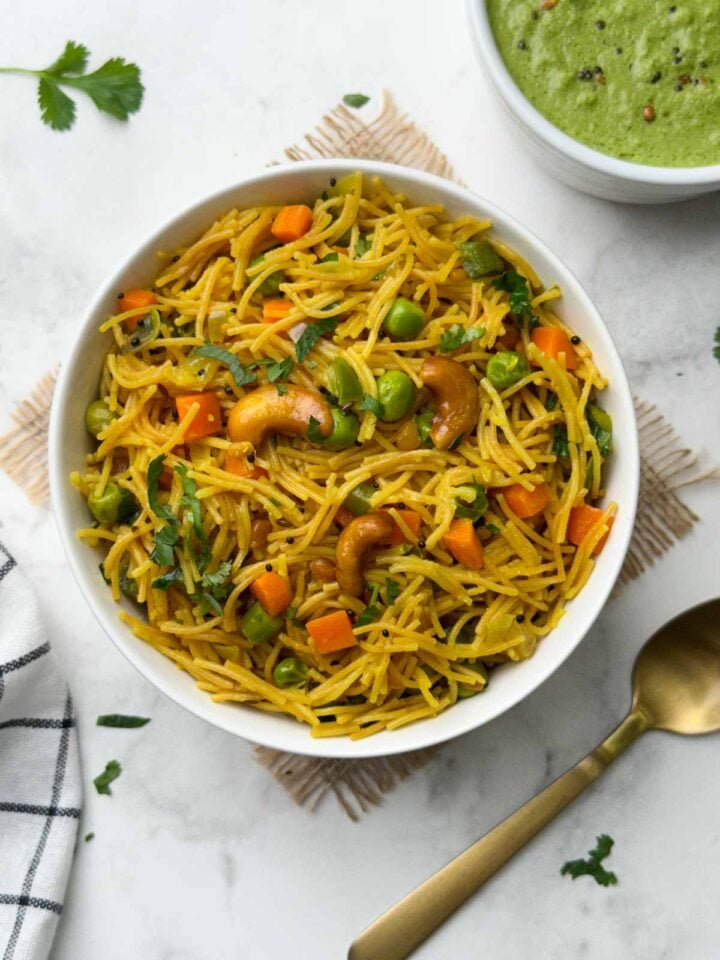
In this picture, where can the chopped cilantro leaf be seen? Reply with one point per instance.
(371, 404)
(560, 441)
(311, 334)
(457, 335)
(242, 375)
(89, 836)
(392, 591)
(280, 370)
(165, 539)
(492, 528)
(362, 246)
(371, 611)
(551, 402)
(519, 291)
(190, 502)
(314, 434)
(155, 470)
(167, 579)
(475, 509)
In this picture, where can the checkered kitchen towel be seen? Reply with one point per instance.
(40, 786)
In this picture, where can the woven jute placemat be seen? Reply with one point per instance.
(666, 467)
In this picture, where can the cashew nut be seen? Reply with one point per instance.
(362, 533)
(264, 411)
(322, 569)
(457, 406)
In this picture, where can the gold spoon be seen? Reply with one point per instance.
(676, 687)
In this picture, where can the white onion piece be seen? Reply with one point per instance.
(297, 331)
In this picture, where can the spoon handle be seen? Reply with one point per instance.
(395, 934)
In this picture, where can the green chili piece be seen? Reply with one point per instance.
(290, 672)
(258, 626)
(358, 500)
(346, 428)
(478, 259)
(343, 382)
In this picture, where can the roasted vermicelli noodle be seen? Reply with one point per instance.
(346, 459)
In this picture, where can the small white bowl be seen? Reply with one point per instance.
(569, 160)
(69, 443)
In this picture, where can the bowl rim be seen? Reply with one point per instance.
(605, 163)
(386, 743)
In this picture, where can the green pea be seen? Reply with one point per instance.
(404, 320)
(469, 690)
(258, 626)
(506, 368)
(270, 287)
(128, 586)
(358, 500)
(98, 416)
(346, 427)
(424, 424)
(343, 382)
(105, 505)
(114, 504)
(290, 672)
(396, 393)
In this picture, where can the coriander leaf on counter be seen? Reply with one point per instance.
(311, 334)
(89, 836)
(457, 335)
(280, 370)
(592, 867)
(242, 375)
(121, 720)
(519, 291)
(371, 404)
(103, 780)
(716, 348)
(355, 100)
(114, 88)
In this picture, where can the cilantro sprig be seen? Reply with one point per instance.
(592, 866)
(241, 374)
(114, 88)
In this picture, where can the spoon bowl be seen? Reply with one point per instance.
(676, 677)
(676, 687)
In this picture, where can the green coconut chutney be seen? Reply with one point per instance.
(637, 79)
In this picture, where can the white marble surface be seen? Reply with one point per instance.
(199, 855)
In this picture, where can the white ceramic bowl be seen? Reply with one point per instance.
(568, 159)
(69, 443)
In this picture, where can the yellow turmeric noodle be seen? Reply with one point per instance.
(270, 391)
